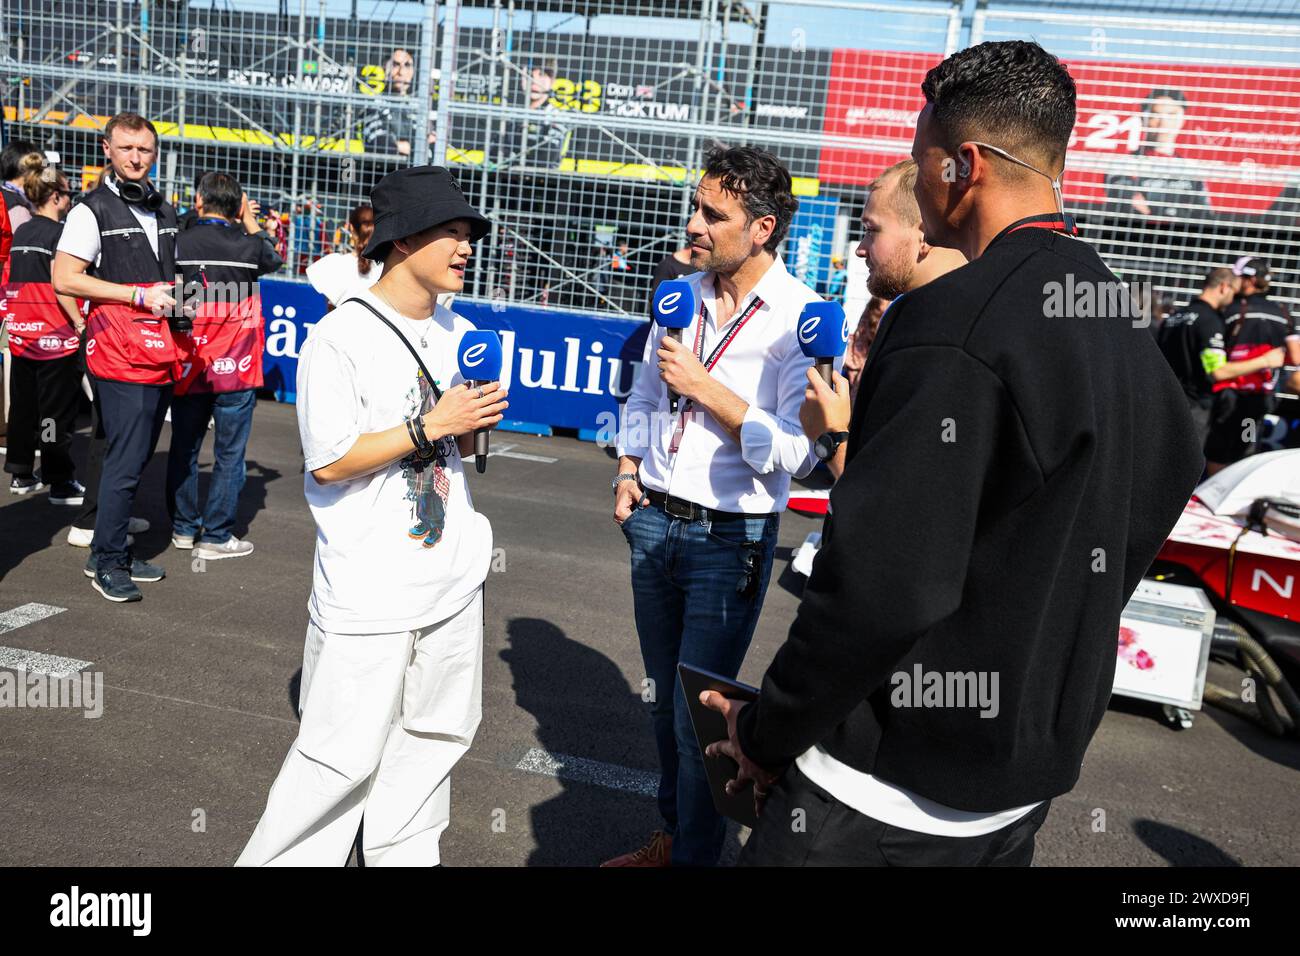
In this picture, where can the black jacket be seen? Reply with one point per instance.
(1010, 478)
(213, 251)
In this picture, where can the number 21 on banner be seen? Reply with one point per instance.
(1112, 132)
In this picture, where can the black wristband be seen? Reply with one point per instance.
(426, 448)
(410, 431)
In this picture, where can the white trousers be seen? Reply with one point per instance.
(384, 719)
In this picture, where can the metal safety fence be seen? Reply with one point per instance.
(579, 127)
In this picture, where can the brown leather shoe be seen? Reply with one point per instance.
(658, 852)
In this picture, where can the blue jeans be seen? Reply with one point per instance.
(232, 416)
(688, 609)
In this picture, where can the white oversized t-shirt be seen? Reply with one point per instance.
(401, 548)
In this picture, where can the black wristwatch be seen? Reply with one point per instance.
(826, 445)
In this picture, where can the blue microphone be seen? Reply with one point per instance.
(674, 307)
(823, 332)
(480, 362)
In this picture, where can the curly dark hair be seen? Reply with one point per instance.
(1013, 94)
(760, 181)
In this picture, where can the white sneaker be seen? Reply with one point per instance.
(232, 547)
(184, 542)
(81, 537)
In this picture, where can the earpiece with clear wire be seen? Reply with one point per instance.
(1054, 180)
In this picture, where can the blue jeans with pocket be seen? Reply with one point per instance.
(686, 592)
(232, 420)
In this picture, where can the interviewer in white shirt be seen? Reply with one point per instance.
(698, 494)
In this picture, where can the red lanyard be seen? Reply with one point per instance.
(721, 347)
(1053, 221)
(711, 361)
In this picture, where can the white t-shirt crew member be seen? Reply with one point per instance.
(393, 663)
(373, 573)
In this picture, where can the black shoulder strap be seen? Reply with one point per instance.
(437, 392)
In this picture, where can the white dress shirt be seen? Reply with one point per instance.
(765, 368)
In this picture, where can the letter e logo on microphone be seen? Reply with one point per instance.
(479, 355)
(669, 302)
(808, 329)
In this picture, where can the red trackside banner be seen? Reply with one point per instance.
(1222, 130)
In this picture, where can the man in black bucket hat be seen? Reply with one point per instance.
(392, 668)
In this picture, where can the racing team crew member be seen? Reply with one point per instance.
(1192, 340)
(221, 256)
(1262, 337)
(118, 252)
(44, 338)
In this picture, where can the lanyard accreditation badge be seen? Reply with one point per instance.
(714, 357)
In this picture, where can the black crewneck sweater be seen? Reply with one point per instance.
(1010, 477)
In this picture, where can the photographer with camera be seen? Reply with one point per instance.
(118, 250)
(221, 364)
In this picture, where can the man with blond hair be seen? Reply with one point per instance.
(900, 259)
(118, 251)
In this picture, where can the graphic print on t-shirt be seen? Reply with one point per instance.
(427, 485)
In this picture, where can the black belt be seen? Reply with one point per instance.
(690, 511)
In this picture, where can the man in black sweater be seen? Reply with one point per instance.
(1014, 463)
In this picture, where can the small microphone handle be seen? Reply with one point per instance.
(480, 443)
(673, 397)
(826, 368)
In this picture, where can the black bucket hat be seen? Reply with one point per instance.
(414, 199)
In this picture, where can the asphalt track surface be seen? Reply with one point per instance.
(200, 676)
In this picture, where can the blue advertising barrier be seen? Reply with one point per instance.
(812, 231)
(563, 370)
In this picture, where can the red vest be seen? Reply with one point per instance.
(224, 352)
(1261, 381)
(38, 327)
(126, 344)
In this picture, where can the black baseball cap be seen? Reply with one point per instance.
(416, 198)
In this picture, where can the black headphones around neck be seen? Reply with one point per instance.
(140, 194)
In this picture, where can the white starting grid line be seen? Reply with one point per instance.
(504, 451)
(34, 662)
(595, 772)
(536, 760)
